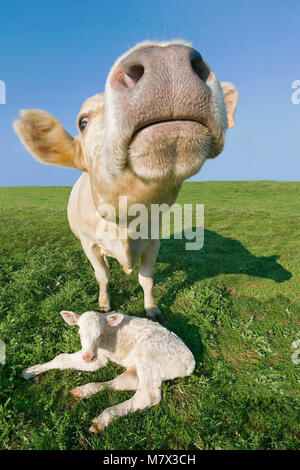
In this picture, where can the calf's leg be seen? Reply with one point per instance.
(62, 362)
(147, 394)
(126, 381)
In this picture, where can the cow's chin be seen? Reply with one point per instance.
(171, 149)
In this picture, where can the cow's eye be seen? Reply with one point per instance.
(83, 123)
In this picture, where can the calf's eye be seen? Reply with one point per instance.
(83, 123)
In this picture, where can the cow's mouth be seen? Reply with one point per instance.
(167, 125)
(171, 148)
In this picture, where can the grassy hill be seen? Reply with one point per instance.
(235, 303)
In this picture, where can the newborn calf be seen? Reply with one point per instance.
(150, 353)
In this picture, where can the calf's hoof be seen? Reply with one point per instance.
(28, 373)
(155, 314)
(96, 428)
(76, 393)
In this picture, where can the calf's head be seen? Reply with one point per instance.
(91, 327)
(163, 113)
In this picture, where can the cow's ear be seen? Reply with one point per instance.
(46, 139)
(231, 97)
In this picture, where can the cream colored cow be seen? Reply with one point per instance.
(163, 113)
(150, 353)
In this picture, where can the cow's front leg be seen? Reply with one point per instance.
(62, 362)
(146, 280)
(101, 268)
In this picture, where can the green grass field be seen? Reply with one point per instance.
(235, 303)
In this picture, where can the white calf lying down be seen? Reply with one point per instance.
(150, 353)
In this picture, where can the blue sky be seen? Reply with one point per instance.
(54, 54)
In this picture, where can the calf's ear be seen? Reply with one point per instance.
(46, 139)
(114, 319)
(70, 317)
(231, 97)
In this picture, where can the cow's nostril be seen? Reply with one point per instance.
(199, 66)
(133, 73)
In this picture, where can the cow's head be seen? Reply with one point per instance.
(163, 113)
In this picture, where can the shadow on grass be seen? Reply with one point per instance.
(220, 255)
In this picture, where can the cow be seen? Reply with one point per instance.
(163, 113)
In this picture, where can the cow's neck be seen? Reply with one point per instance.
(137, 191)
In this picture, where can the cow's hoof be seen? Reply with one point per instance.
(155, 314)
(96, 428)
(104, 306)
(76, 393)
